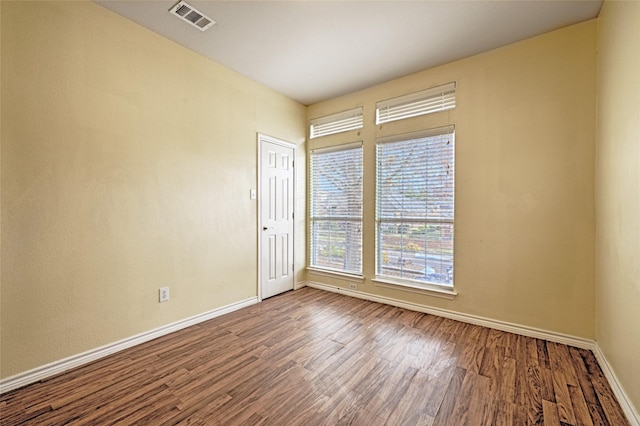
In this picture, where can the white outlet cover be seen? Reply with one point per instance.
(164, 294)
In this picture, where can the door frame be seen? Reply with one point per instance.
(261, 137)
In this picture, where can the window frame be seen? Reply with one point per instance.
(428, 101)
(352, 119)
(312, 217)
(435, 288)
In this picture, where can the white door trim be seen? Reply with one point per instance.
(265, 138)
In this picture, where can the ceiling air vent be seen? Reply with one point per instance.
(190, 14)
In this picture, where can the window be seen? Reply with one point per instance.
(428, 101)
(336, 208)
(336, 123)
(415, 207)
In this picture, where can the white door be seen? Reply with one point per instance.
(276, 216)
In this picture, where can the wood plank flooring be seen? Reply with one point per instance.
(311, 357)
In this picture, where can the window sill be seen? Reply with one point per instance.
(335, 274)
(428, 289)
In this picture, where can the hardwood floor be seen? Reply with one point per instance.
(311, 357)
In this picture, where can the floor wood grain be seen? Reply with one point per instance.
(311, 357)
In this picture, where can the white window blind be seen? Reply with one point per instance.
(336, 123)
(415, 206)
(428, 101)
(336, 208)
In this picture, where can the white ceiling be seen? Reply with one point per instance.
(316, 50)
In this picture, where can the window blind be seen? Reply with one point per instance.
(336, 123)
(415, 206)
(336, 208)
(428, 101)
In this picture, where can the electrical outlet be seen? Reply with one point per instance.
(353, 286)
(164, 294)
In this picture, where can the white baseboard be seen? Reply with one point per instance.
(299, 284)
(60, 366)
(552, 336)
(623, 399)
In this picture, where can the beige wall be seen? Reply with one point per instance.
(618, 193)
(525, 141)
(127, 162)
